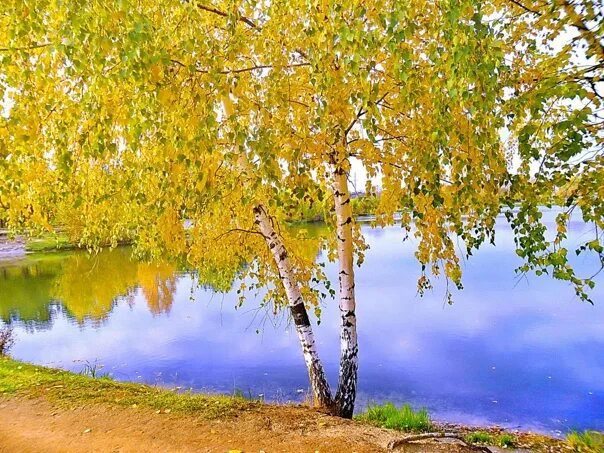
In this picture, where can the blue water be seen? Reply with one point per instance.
(519, 352)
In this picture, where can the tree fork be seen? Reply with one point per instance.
(318, 382)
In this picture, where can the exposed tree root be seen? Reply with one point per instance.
(405, 440)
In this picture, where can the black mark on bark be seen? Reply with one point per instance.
(300, 315)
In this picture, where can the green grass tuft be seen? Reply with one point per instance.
(49, 243)
(506, 440)
(69, 389)
(403, 418)
(586, 442)
(480, 437)
(239, 393)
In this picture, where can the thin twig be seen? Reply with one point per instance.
(211, 9)
(238, 230)
(33, 46)
(240, 70)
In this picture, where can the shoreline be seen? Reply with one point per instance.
(27, 388)
(473, 424)
(11, 249)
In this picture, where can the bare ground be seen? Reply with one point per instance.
(34, 425)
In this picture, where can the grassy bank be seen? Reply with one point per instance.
(54, 242)
(406, 419)
(70, 389)
(66, 389)
(49, 243)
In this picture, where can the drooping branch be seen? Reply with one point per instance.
(586, 33)
(576, 21)
(245, 20)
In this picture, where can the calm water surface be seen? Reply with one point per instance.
(522, 353)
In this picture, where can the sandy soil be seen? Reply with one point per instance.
(33, 425)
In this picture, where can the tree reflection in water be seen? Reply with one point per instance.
(87, 287)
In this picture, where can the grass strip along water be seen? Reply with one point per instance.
(67, 390)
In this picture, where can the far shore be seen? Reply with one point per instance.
(11, 249)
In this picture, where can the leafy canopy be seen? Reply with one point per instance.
(167, 122)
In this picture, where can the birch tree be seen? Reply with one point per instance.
(195, 129)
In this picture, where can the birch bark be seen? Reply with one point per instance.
(347, 383)
(318, 382)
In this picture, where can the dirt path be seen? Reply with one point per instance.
(33, 425)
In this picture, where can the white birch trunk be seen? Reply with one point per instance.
(319, 385)
(347, 383)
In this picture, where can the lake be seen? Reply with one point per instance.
(519, 352)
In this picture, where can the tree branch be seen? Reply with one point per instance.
(241, 70)
(576, 22)
(211, 9)
(586, 33)
(526, 8)
(362, 112)
(238, 230)
(32, 47)
(294, 101)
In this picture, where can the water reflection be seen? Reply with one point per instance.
(158, 283)
(87, 288)
(25, 293)
(515, 352)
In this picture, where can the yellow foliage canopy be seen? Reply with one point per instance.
(135, 119)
